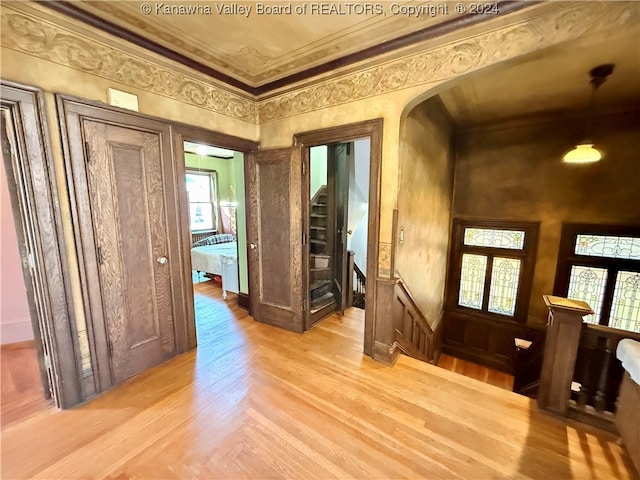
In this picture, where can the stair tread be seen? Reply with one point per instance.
(322, 302)
(319, 215)
(325, 269)
(318, 227)
(315, 240)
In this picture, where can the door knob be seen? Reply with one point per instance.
(162, 260)
(253, 246)
(349, 232)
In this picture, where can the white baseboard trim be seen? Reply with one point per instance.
(18, 330)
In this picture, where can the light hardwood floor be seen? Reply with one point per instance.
(255, 401)
(479, 372)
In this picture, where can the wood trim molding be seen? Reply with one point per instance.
(372, 129)
(244, 301)
(48, 290)
(182, 133)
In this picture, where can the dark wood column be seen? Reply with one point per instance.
(561, 348)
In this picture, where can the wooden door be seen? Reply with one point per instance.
(339, 160)
(126, 190)
(274, 237)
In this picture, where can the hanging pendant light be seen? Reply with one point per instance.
(585, 152)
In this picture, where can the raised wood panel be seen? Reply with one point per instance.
(275, 230)
(411, 325)
(126, 186)
(275, 224)
(485, 341)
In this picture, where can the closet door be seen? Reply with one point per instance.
(130, 225)
(123, 189)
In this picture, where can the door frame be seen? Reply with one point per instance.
(36, 207)
(186, 133)
(372, 129)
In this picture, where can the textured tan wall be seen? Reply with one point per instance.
(516, 173)
(424, 205)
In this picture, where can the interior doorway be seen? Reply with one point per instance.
(215, 187)
(371, 130)
(338, 227)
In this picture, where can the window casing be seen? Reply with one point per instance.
(491, 268)
(203, 200)
(600, 264)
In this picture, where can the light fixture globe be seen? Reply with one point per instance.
(583, 153)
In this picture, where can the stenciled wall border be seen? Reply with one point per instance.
(449, 61)
(34, 36)
(29, 34)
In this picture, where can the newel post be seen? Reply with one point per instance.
(561, 348)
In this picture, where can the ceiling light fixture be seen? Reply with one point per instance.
(585, 152)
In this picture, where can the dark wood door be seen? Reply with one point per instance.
(339, 161)
(125, 182)
(274, 237)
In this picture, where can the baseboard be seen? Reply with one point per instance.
(16, 331)
(243, 301)
(384, 353)
(18, 345)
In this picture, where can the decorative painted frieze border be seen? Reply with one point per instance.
(33, 36)
(384, 259)
(29, 34)
(446, 62)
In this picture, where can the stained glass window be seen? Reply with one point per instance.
(474, 268)
(505, 276)
(588, 284)
(484, 237)
(625, 310)
(608, 246)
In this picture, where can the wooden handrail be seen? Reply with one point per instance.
(361, 277)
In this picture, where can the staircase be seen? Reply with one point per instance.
(319, 255)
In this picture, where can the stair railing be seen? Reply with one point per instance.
(357, 282)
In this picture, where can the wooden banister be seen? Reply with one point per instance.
(597, 375)
(413, 335)
(560, 351)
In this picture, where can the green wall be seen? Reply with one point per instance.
(230, 174)
(223, 168)
(318, 168)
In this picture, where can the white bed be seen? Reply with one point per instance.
(219, 259)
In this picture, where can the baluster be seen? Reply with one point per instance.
(584, 395)
(600, 399)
